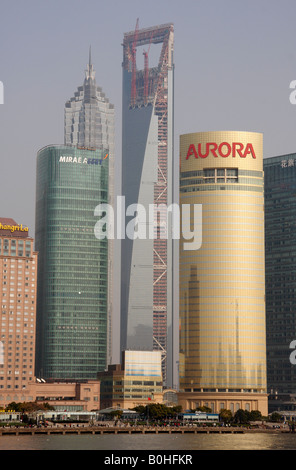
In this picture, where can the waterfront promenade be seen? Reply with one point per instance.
(86, 429)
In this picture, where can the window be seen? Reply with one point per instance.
(221, 175)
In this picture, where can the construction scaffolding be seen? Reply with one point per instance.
(149, 87)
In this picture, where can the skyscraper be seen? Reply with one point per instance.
(90, 124)
(222, 282)
(73, 332)
(147, 179)
(18, 288)
(280, 248)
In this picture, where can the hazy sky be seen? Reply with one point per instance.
(234, 61)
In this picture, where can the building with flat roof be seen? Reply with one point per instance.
(280, 265)
(222, 278)
(147, 179)
(136, 381)
(18, 290)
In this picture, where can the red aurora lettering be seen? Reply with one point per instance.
(223, 150)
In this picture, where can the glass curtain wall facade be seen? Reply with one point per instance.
(280, 254)
(147, 179)
(90, 124)
(222, 284)
(73, 268)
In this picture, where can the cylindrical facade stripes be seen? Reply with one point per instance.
(222, 284)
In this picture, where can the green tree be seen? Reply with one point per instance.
(116, 414)
(204, 409)
(141, 409)
(242, 416)
(255, 415)
(158, 411)
(226, 415)
(28, 407)
(275, 417)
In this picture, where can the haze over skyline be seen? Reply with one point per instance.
(234, 62)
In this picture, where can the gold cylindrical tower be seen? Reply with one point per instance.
(222, 282)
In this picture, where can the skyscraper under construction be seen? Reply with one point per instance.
(147, 179)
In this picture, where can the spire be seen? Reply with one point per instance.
(90, 73)
(89, 61)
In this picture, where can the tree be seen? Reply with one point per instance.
(276, 417)
(204, 409)
(255, 415)
(225, 415)
(140, 409)
(158, 411)
(28, 407)
(116, 414)
(242, 416)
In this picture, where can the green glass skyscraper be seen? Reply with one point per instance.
(280, 261)
(74, 274)
(73, 269)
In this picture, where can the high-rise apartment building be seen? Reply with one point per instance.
(222, 280)
(18, 288)
(75, 284)
(280, 255)
(147, 179)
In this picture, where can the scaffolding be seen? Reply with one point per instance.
(149, 87)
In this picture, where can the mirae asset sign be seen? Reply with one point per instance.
(84, 161)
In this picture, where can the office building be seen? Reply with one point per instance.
(280, 255)
(147, 179)
(73, 268)
(222, 278)
(90, 123)
(136, 381)
(18, 288)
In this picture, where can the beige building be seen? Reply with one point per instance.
(66, 395)
(222, 277)
(137, 381)
(63, 396)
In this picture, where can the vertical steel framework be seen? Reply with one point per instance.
(152, 86)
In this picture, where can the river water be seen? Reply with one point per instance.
(171, 443)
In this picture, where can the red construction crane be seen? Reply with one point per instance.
(134, 66)
(146, 72)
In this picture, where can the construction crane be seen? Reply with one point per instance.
(146, 72)
(134, 66)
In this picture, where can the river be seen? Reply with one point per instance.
(175, 443)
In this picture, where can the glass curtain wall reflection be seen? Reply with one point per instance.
(73, 269)
(222, 285)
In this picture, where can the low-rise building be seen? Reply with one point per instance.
(137, 381)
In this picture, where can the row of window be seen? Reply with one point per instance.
(191, 189)
(228, 171)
